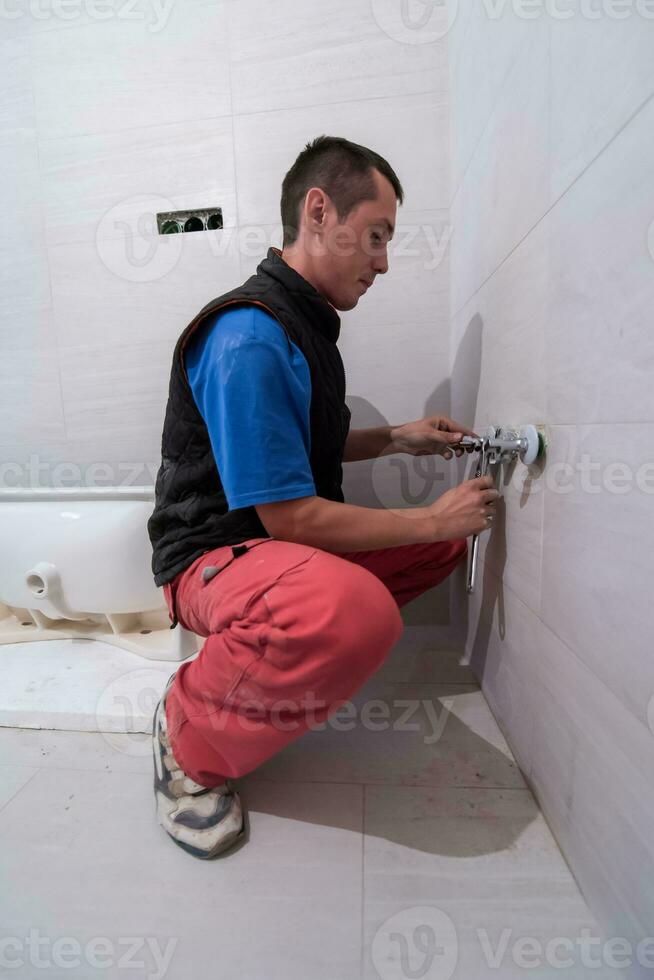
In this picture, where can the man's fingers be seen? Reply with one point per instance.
(456, 426)
(485, 485)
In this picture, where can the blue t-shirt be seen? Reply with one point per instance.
(254, 396)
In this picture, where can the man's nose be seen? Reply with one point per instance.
(381, 264)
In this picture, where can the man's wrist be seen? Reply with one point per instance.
(391, 446)
(368, 443)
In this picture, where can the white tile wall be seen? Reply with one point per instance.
(289, 54)
(512, 306)
(505, 190)
(121, 290)
(90, 376)
(602, 73)
(20, 196)
(552, 261)
(26, 318)
(30, 395)
(17, 104)
(600, 344)
(123, 74)
(598, 542)
(25, 296)
(593, 773)
(488, 41)
(500, 651)
(186, 164)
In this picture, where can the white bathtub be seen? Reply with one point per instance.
(76, 562)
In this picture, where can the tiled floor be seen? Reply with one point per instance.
(400, 841)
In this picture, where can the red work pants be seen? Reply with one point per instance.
(292, 632)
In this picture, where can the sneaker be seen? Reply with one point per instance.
(203, 821)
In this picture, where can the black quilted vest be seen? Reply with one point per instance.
(191, 515)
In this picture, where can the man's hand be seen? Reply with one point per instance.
(465, 509)
(430, 436)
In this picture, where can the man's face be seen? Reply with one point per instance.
(343, 260)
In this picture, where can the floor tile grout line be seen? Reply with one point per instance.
(13, 796)
(263, 779)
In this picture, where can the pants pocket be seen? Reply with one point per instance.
(225, 587)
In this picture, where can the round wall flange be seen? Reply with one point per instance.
(530, 454)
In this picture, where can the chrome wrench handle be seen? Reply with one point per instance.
(482, 469)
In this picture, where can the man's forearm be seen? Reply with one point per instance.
(335, 526)
(369, 443)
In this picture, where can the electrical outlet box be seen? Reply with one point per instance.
(199, 219)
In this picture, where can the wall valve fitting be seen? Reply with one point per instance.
(500, 445)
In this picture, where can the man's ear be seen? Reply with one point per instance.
(315, 205)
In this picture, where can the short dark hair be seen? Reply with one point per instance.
(342, 169)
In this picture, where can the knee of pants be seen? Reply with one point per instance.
(449, 552)
(328, 624)
(367, 620)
